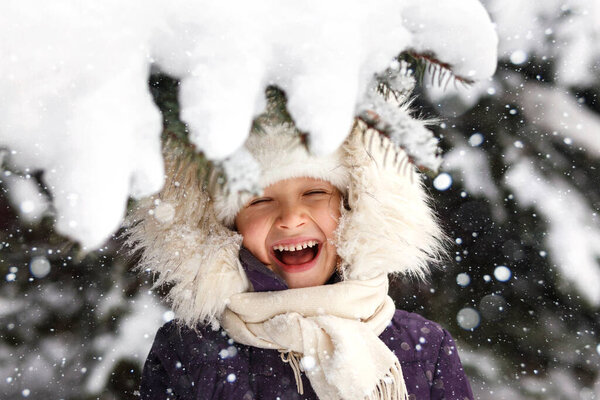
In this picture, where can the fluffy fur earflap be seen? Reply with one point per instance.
(180, 239)
(390, 226)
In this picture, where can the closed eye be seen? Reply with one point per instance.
(259, 201)
(316, 191)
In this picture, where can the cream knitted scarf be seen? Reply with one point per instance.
(330, 332)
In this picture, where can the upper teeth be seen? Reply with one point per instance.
(294, 247)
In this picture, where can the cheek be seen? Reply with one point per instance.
(332, 218)
(254, 232)
(327, 222)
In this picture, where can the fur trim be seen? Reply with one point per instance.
(282, 155)
(182, 241)
(390, 227)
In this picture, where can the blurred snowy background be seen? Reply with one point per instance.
(518, 190)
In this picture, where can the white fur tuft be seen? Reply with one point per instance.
(188, 248)
(282, 155)
(390, 227)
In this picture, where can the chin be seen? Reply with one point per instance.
(313, 277)
(296, 283)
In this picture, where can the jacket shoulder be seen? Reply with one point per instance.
(202, 343)
(428, 355)
(180, 358)
(413, 337)
(414, 321)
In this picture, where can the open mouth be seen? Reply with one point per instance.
(297, 254)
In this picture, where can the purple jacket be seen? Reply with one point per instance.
(185, 364)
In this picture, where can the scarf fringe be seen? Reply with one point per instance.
(391, 387)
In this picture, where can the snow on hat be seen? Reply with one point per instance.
(281, 154)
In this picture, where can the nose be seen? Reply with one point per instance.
(291, 216)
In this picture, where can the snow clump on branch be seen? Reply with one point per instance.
(75, 101)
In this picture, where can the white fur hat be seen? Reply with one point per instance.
(281, 154)
(182, 234)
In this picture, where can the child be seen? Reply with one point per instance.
(284, 295)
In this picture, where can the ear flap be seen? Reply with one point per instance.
(390, 227)
(179, 237)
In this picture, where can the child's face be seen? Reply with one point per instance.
(294, 213)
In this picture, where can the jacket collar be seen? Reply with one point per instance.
(261, 278)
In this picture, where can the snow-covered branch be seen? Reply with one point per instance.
(75, 102)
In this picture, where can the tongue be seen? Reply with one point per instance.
(297, 257)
